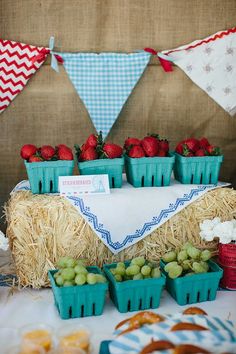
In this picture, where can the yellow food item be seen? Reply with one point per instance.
(40, 337)
(77, 339)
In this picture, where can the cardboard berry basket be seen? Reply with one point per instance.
(149, 171)
(134, 295)
(197, 170)
(43, 176)
(112, 167)
(194, 288)
(79, 300)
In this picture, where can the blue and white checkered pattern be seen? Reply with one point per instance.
(104, 82)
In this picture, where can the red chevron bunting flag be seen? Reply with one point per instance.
(18, 62)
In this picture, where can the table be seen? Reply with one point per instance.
(31, 306)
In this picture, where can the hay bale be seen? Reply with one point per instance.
(42, 228)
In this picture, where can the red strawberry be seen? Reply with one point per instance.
(204, 143)
(65, 153)
(35, 158)
(213, 150)
(164, 145)
(89, 154)
(92, 141)
(150, 146)
(192, 144)
(200, 152)
(27, 151)
(131, 141)
(47, 152)
(136, 151)
(180, 148)
(161, 153)
(112, 151)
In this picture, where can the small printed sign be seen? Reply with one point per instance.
(87, 184)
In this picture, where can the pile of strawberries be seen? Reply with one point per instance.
(194, 147)
(149, 146)
(94, 148)
(46, 153)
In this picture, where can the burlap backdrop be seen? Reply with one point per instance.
(49, 111)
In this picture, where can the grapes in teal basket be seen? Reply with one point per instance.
(169, 257)
(91, 278)
(80, 279)
(186, 264)
(120, 271)
(175, 272)
(69, 283)
(155, 273)
(120, 264)
(182, 256)
(198, 268)
(79, 269)
(168, 266)
(59, 280)
(146, 270)
(132, 270)
(118, 277)
(193, 252)
(206, 255)
(138, 276)
(100, 278)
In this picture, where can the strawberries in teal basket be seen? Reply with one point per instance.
(193, 147)
(95, 148)
(31, 153)
(150, 146)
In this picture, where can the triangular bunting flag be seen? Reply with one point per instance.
(18, 62)
(104, 82)
(211, 64)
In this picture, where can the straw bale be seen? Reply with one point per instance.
(42, 228)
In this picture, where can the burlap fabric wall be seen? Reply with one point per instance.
(49, 111)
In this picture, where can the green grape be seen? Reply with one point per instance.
(113, 271)
(182, 256)
(138, 276)
(146, 270)
(140, 261)
(59, 280)
(169, 257)
(118, 277)
(132, 270)
(193, 252)
(100, 278)
(120, 264)
(127, 277)
(147, 276)
(152, 264)
(80, 279)
(186, 264)
(175, 272)
(70, 263)
(188, 274)
(198, 268)
(120, 271)
(170, 265)
(68, 283)
(57, 274)
(156, 273)
(206, 255)
(62, 262)
(186, 246)
(205, 266)
(68, 273)
(79, 269)
(91, 278)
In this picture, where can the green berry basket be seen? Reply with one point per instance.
(79, 300)
(111, 167)
(134, 295)
(197, 170)
(194, 288)
(149, 171)
(43, 176)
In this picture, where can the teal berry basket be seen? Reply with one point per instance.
(44, 176)
(134, 295)
(111, 167)
(149, 171)
(197, 170)
(79, 300)
(194, 288)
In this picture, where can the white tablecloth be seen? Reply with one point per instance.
(33, 306)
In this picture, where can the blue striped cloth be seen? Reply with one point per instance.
(104, 82)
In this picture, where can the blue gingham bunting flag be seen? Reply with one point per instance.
(104, 82)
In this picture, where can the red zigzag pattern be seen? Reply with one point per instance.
(16, 68)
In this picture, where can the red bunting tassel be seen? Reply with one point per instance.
(166, 64)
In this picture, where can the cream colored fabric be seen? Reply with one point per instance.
(49, 111)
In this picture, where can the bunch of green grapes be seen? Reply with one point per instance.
(187, 261)
(74, 272)
(138, 269)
